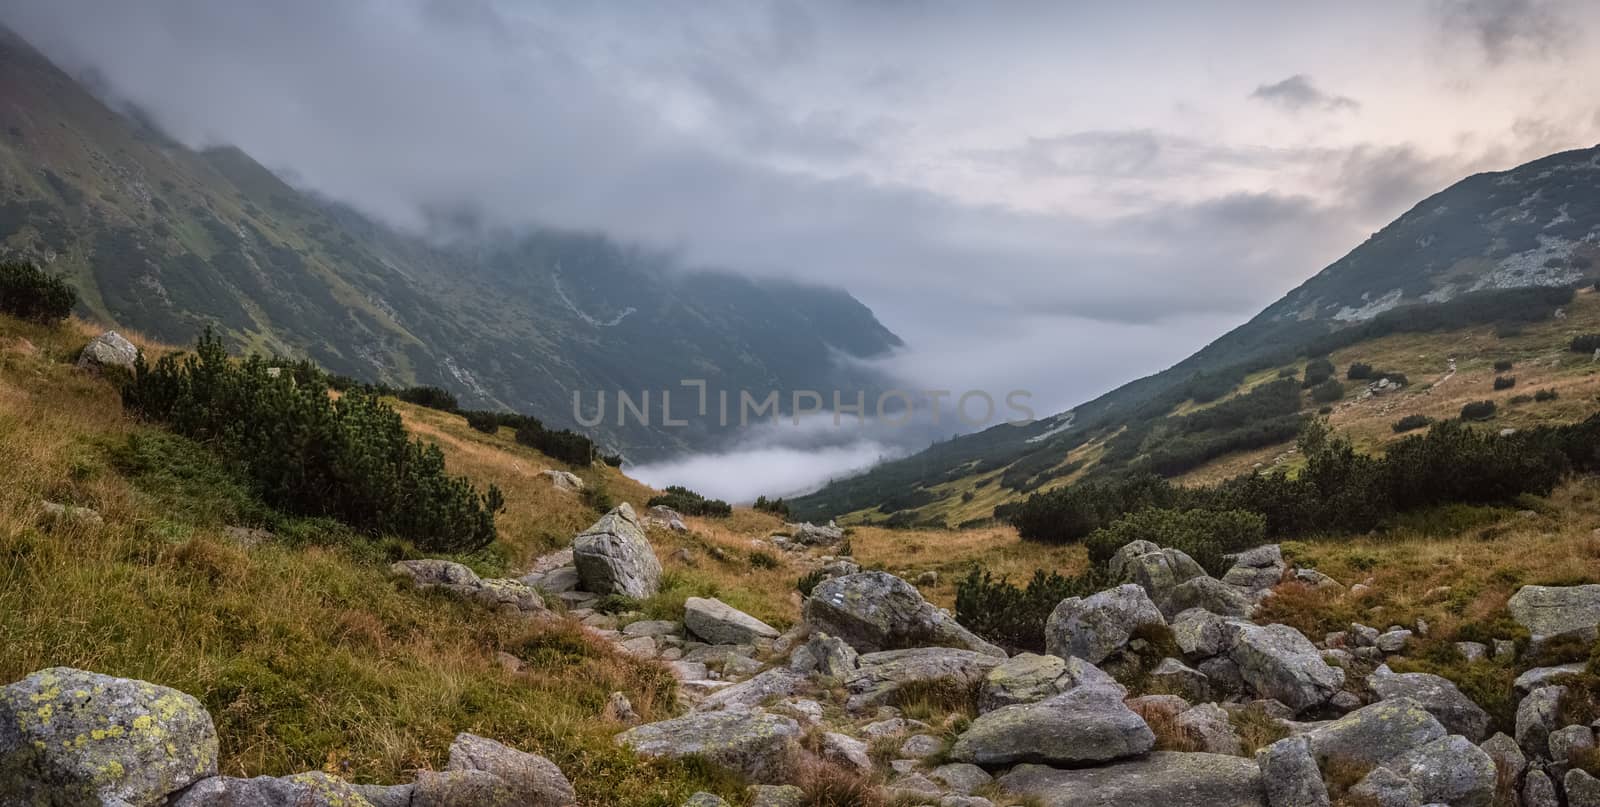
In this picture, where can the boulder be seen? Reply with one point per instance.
(825, 655)
(1175, 677)
(1201, 634)
(1209, 726)
(1121, 562)
(1376, 734)
(1539, 791)
(1096, 627)
(450, 576)
(875, 611)
(88, 738)
(1508, 758)
(461, 788)
(1450, 771)
(1256, 570)
(563, 480)
(716, 622)
(704, 799)
(1566, 741)
(1438, 695)
(777, 796)
(1278, 662)
(764, 687)
(1537, 715)
(613, 556)
(1030, 678)
(845, 751)
(57, 514)
(753, 743)
(316, 789)
(109, 349)
(532, 779)
(1540, 677)
(920, 746)
(878, 679)
(1162, 779)
(1291, 775)
(1551, 612)
(666, 518)
(808, 534)
(1583, 790)
(1393, 641)
(1085, 725)
(961, 777)
(1158, 571)
(1209, 594)
(1382, 787)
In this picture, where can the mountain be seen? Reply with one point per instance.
(1478, 261)
(169, 241)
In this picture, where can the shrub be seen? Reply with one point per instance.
(306, 454)
(689, 503)
(613, 460)
(28, 292)
(486, 422)
(1546, 395)
(1588, 343)
(1013, 617)
(1317, 371)
(1069, 514)
(597, 497)
(1503, 365)
(1411, 422)
(808, 581)
(763, 560)
(1479, 410)
(1328, 391)
(1205, 535)
(1504, 382)
(558, 444)
(1359, 371)
(777, 507)
(1288, 372)
(1518, 400)
(430, 397)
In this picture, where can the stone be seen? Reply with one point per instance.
(1201, 634)
(1376, 734)
(1085, 725)
(920, 746)
(1161, 779)
(1096, 627)
(248, 537)
(1382, 787)
(1583, 790)
(1175, 677)
(765, 686)
(1256, 570)
(621, 709)
(704, 799)
(875, 611)
(1540, 677)
(566, 481)
(961, 777)
(1537, 715)
(954, 800)
(1224, 676)
(66, 514)
(109, 349)
(534, 781)
(1316, 579)
(315, 789)
(1278, 662)
(556, 581)
(1553, 612)
(1539, 791)
(1473, 652)
(846, 752)
(384, 795)
(1360, 635)
(1158, 571)
(878, 679)
(456, 788)
(641, 646)
(453, 577)
(1030, 678)
(825, 655)
(1569, 739)
(650, 627)
(1450, 770)
(776, 796)
(1508, 758)
(1438, 695)
(1393, 641)
(1208, 725)
(892, 727)
(913, 785)
(753, 743)
(808, 534)
(666, 518)
(719, 623)
(1505, 650)
(1209, 594)
(613, 556)
(87, 738)
(1291, 775)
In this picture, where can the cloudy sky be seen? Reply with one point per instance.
(1055, 196)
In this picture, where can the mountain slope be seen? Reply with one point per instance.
(169, 241)
(1496, 247)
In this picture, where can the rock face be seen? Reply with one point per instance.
(1277, 662)
(1162, 779)
(613, 556)
(1088, 724)
(716, 622)
(89, 738)
(876, 611)
(109, 349)
(1095, 627)
(1438, 695)
(532, 779)
(1376, 734)
(1291, 775)
(755, 744)
(1550, 612)
(1030, 678)
(454, 577)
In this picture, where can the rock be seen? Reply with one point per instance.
(248, 537)
(1208, 725)
(1030, 678)
(1095, 627)
(1201, 634)
(1552, 612)
(1257, 569)
(954, 800)
(86, 738)
(1175, 677)
(719, 623)
(1290, 774)
(1209, 594)
(825, 655)
(315, 789)
(621, 709)
(534, 781)
(914, 786)
(892, 727)
(1376, 734)
(109, 349)
(1472, 651)
(1438, 695)
(704, 799)
(459, 788)
(1583, 790)
(875, 611)
(1088, 724)
(1382, 787)
(613, 556)
(62, 514)
(1316, 579)
(880, 676)
(1508, 758)
(920, 746)
(928, 579)
(641, 646)
(650, 627)
(753, 743)
(453, 577)
(770, 684)
(1393, 641)
(666, 518)
(1158, 571)
(1537, 715)
(1539, 791)
(563, 480)
(1278, 662)
(1567, 740)
(556, 581)
(776, 796)
(845, 751)
(496, 592)
(1539, 677)
(1162, 779)
(961, 777)
(1505, 650)
(1450, 770)
(1224, 675)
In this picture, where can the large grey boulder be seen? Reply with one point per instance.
(1291, 775)
(1176, 678)
(109, 349)
(876, 611)
(1382, 787)
(1278, 662)
(766, 686)
(1209, 726)
(1211, 595)
(1551, 612)
(1507, 756)
(315, 789)
(1537, 715)
(614, 557)
(1583, 790)
(716, 622)
(1162, 779)
(447, 575)
(1376, 734)
(845, 751)
(1540, 677)
(1438, 695)
(808, 534)
(1158, 571)
(880, 676)
(1538, 790)
(753, 743)
(1085, 725)
(532, 779)
(461, 788)
(1094, 628)
(824, 655)
(1202, 634)
(1256, 570)
(1030, 678)
(88, 738)
(1450, 771)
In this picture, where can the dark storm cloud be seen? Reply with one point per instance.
(1297, 93)
(1508, 29)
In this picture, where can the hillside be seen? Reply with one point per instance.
(168, 241)
(1489, 255)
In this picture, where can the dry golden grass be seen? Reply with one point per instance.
(953, 553)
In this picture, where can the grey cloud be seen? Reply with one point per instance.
(1508, 29)
(1297, 93)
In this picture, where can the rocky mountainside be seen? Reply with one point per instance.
(1484, 251)
(169, 241)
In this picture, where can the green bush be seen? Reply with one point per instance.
(430, 397)
(1411, 422)
(1504, 382)
(1317, 371)
(689, 503)
(1504, 365)
(1588, 343)
(1070, 514)
(1328, 391)
(1359, 371)
(1205, 535)
(559, 444)
(808, 581)
(1478, 410)
(1014, 618)
(777, 507)
(486, 422)
(309, 455)
(1546, 395)
(28, 292)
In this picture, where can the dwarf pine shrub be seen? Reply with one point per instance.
(28, 292)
